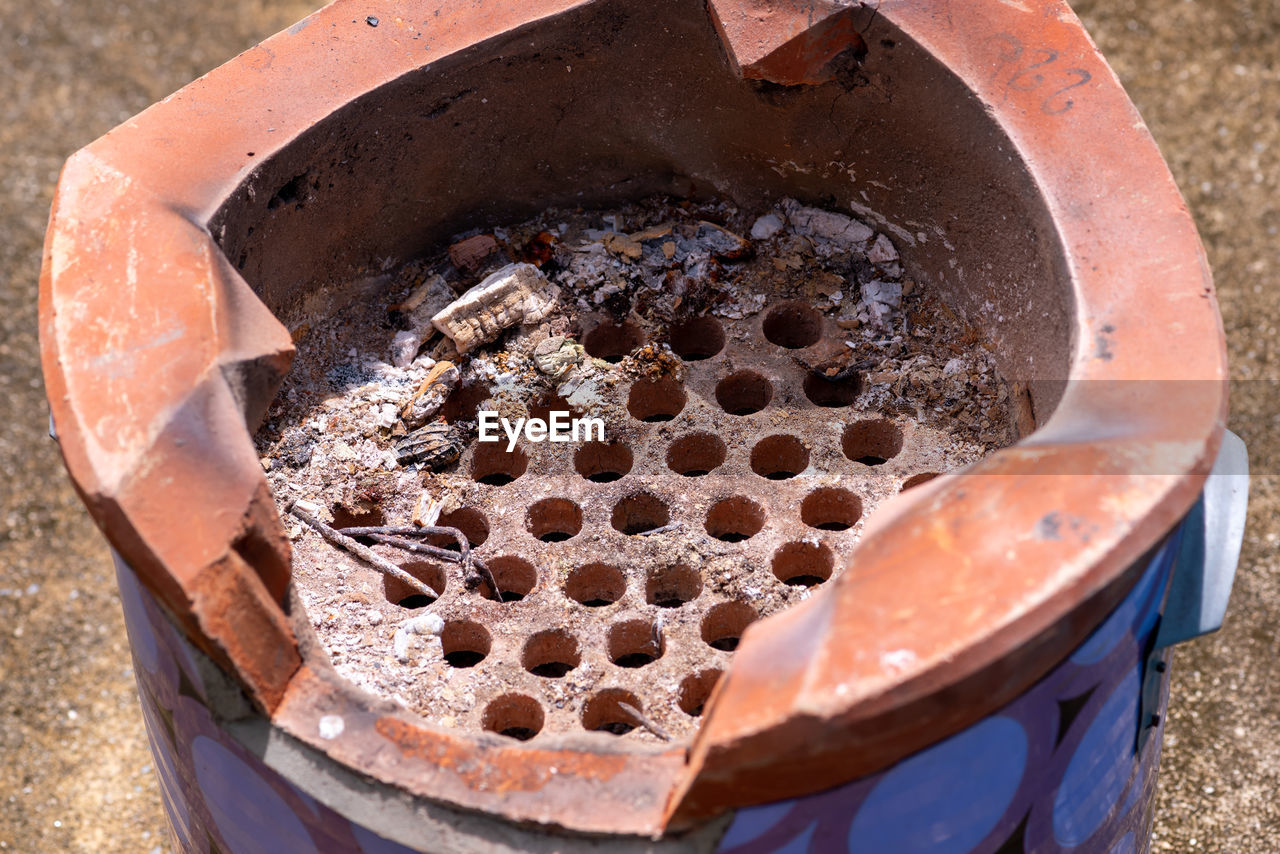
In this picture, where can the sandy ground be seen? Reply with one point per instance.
(1204, 77)
(77, 775)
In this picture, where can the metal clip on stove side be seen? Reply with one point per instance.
(1204, 569)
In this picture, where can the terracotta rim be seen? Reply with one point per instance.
(156, 353)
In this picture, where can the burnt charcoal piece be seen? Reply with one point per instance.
(435, 446)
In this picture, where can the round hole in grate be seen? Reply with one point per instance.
(513, 715)
(832, 389)
(465, 643)
(640, 512)
(543, 406)
(596, 585)
(399, 593)
(516, 578)
(744, 393)
(635, 643)
(734, 519)
(917, 479)
(672, 586)
(793, 325)
(723, 625)
(803, 564)
(613, 341)
(656, 400)
(603, 462)
(695, 690)
(779, 457)
(696, 454)
(493, 465)
(697, 338)
(464, 402)
(871, 442)
(553, 520)
(551, 654)
(357, 517)
(470, 521)
(830, 508)
(605, 711)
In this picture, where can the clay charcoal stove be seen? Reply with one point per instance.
(894, 388)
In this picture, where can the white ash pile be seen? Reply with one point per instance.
(682, 264)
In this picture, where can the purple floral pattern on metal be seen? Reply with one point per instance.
(1058, 770)
(219, 797)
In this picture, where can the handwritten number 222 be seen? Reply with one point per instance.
(1030, 76)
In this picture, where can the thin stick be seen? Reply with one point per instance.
(443, 554)
(644, 721)
(464, 545)
(493, 582)
(416, 548)
(363, 552)
(674, 526)
(390, 534)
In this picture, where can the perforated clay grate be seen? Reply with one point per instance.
(759, 395)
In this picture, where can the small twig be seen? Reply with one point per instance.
(643, 721)
(390, 535)
(443, 554)
(363, 552)
(493, 582)
(674, 526)
(416, 548)
(398, 531)
(464, 545)
(657, 637)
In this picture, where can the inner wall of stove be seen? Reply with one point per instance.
(621, 99)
